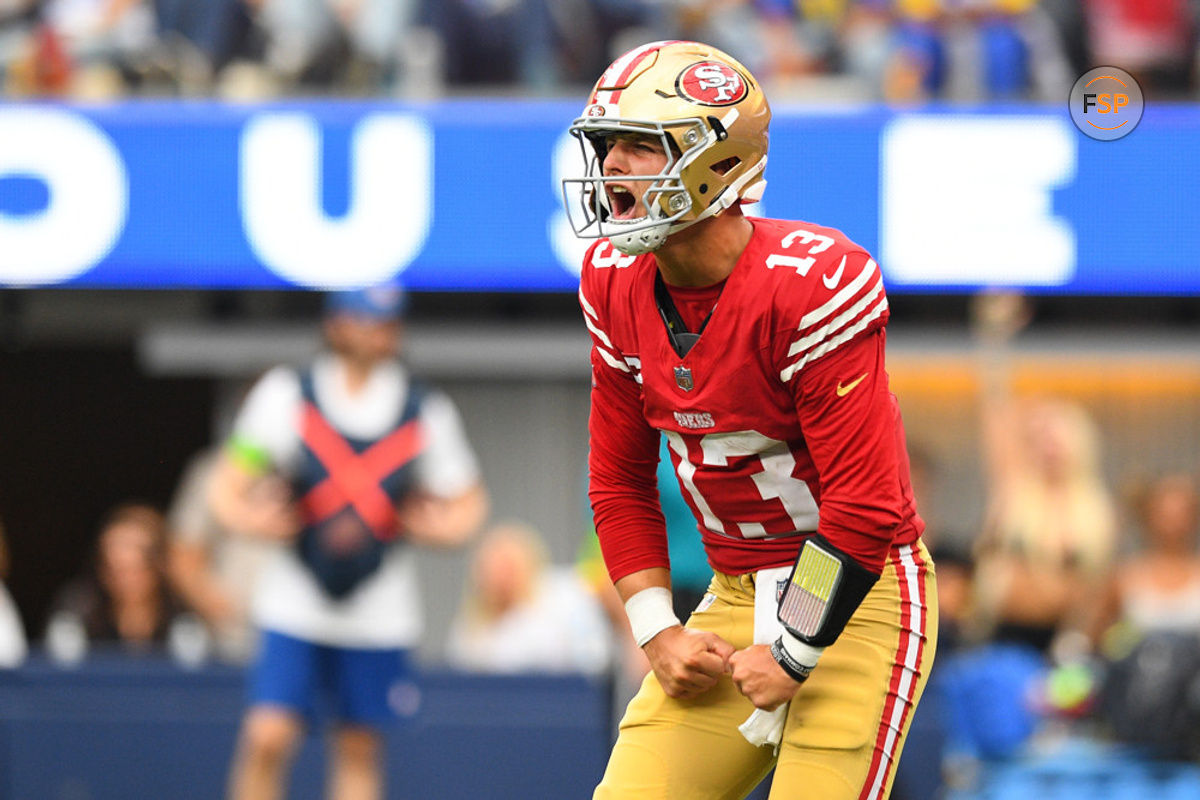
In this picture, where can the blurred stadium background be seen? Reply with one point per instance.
(178, 179)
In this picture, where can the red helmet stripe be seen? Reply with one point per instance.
(620, 70)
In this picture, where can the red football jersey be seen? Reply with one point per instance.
(779, 419)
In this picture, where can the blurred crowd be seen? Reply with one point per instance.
(893, 50)
(1068, 602)
(1073, 609)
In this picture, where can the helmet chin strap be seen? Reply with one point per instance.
(646, 240)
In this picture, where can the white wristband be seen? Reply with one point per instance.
(804, 653)
(650, 613)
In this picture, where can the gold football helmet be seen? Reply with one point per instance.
(711, 118)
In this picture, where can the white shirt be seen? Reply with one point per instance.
(12, 635)
(384, 610)
(1151, 608)
(561, 629)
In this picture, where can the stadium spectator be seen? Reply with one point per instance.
(704, 333)
(742, 28)
(124, 599)
(36, 59)
(96, 42)
(199, 38)
(96, 30)
(17, 21)
(1146, 629)
(1155, 42)
(521, 614)
(350, 460)
(15, 14)
(12, 634)
(101, 49)
(1049, 529)
(866, 47)
(325, 44)
(904, 51)
(1157, 588)
(497, 42)
(588, 33)
(991, 50)
(214, 570)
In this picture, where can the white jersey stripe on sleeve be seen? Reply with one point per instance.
(611, 360)
(842, 297)
(590, 314)
(812, 355)
(603, 344)
(587, 307)
(601, 335)
(837, 323)
(858, 327)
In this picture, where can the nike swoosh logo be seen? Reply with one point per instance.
(842, 391)
(831, 281)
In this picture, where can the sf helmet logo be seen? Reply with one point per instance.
(594, 110)
(711, 83)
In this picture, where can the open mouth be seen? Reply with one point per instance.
(623, 202)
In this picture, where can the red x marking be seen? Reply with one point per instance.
(353, 478)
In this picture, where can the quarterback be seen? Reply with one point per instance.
(756, 346)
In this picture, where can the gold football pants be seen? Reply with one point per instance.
(845, 726)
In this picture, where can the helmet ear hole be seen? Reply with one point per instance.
(723, 166)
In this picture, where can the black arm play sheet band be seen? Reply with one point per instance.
(822, 592)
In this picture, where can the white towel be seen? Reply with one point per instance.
(766, 727)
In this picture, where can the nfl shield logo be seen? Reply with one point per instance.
(683, 378)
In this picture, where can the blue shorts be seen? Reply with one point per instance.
(355, 685)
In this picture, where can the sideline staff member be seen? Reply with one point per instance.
(350, 460)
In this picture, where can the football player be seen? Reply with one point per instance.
(757, 347)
